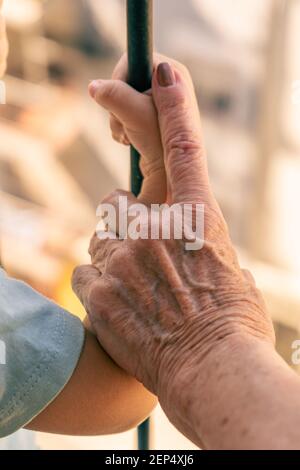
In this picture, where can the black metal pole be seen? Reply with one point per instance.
(140, 69)
(140, 64)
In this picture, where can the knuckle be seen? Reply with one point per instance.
(140, 249)
(95, 296)
(135, 247)
(76, 276)
(183, 142)
(117, 259)
(79, 273)
(172, 107)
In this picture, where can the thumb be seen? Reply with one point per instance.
(83, 281)
(120, 99)
(182, 137)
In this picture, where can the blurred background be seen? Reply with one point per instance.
(57, 159)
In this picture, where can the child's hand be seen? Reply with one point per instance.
(134, 121)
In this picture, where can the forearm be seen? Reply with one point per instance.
(244, 396)
(99, 399)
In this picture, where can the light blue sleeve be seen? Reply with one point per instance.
(40, 345)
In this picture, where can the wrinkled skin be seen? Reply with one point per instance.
(133, 120)
(160, 310)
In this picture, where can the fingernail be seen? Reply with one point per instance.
(165, 75)
(93, 87)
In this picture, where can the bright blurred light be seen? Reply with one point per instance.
(22, 13)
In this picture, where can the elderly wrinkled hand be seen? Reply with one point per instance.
(133, 120)
(158, 309)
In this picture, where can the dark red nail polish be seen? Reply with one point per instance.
(165, 75)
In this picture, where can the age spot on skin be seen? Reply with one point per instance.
(224, 422)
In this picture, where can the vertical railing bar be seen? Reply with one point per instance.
(140, 64)
(140, 68)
